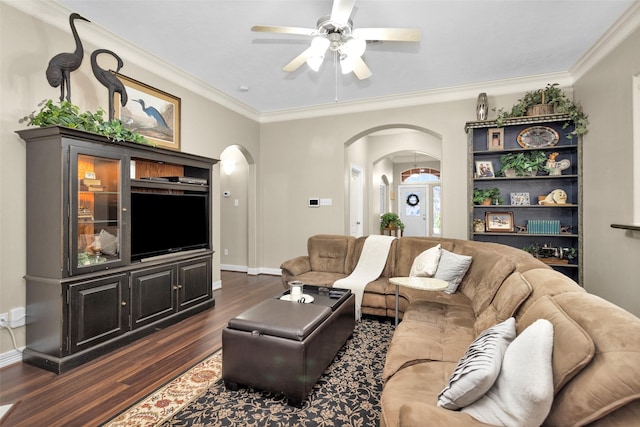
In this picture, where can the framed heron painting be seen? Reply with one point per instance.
(150, 112)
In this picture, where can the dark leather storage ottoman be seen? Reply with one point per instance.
(284, 346)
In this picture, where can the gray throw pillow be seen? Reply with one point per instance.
(452, 268)
(523, 392)
(479, 367)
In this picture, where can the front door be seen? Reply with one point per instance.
(413, 208)
(356, 204)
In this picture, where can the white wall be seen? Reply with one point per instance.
(611, 256)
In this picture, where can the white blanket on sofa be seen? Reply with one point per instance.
(370, 265)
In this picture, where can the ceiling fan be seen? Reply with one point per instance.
(335, 32)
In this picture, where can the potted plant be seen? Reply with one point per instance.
(522, 163)
(390, 220)
(68, 115)
(555, 101)
(486, 196)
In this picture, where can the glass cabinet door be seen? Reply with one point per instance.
(96, 211)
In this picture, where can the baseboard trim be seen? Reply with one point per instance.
(11, 357)
(251, 271)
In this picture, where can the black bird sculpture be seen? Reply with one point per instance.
(153, 113)
(109, 79)
(61, 65)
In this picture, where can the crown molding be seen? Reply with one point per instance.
(57, 16)
(619, 31)
(449, 94)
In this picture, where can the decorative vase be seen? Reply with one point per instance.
(482, 106)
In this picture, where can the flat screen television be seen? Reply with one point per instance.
(168, 223)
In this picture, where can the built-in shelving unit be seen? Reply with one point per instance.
(560, 243)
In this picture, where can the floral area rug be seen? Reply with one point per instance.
(347, 394)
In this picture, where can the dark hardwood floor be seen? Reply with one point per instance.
(96, 391)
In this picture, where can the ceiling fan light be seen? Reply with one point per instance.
(314, 62)
(347, 64)
(319, 45)
(355, 47)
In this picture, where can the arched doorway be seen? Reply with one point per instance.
(386, 151)
(237, 211)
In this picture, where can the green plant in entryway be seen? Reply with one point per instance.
(68, 115)
(391, 220)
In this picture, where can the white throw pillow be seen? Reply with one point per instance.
(426, 264)
(452, 268)
(478, 369)
(523, 393)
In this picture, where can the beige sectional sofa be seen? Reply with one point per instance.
(596, 344)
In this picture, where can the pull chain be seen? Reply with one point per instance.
(335, 68)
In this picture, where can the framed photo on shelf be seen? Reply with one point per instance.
(499, 222)
(150, 112)
(484, 169)
(495, 139)
(520, 199)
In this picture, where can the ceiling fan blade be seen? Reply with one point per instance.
(341, 10)
(299, 60)
(361, 70)
(388, 34)
(284, 30)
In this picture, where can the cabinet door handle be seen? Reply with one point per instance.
(123, 303)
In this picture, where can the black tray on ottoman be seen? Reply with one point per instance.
(284, 346)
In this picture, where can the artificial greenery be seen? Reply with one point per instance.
(68, 115)
(554, 96)
(480, 195)
(391, 220)
(523, 162)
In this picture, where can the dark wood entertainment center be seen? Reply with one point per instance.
(86, 292)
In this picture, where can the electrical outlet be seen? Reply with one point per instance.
(4, 319)
(226, 251)
(17, 317)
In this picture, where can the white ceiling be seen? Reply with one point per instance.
(463, 43)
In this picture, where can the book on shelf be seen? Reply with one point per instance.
(93, 188)
(543, 226)
(91, 182)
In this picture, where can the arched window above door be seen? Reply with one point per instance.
(420, 175)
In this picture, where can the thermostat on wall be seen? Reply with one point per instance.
(314, 202)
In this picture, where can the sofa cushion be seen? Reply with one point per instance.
(546, 282)
(610, 381)
(573, 348)
(329, 253)
(521, 397)
(511, 294)
(425, 264)
(440, 332)
(452, 268)
(478, 369)
(487, 272)
(420, 382)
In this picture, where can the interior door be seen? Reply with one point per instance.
(356, 203)
(413, 209)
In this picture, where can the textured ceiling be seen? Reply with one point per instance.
(463, 43)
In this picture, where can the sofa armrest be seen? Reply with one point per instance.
(415, 414)
(296, 266)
